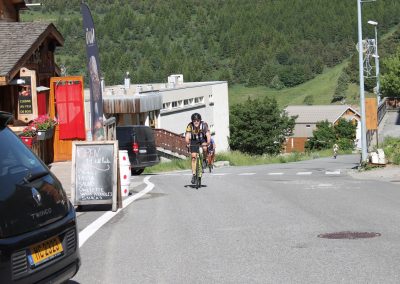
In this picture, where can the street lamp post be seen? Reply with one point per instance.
(378, 87)
(364, 153)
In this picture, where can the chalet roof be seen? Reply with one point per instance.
(315, 113)
(19, 40)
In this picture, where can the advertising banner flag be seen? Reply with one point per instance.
(93, 64)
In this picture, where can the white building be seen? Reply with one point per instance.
(179, 100)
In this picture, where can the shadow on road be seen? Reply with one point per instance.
(97, 207)
(193, 186)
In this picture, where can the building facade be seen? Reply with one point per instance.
(170, 105)
(309, 116)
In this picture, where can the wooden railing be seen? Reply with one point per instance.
(170, 141)
(110, 128)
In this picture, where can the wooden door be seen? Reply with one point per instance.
(62, 148)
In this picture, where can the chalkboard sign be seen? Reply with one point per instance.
(94, 173)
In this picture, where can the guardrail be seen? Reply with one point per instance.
(170, 141)
(387, 104)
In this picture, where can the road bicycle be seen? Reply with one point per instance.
(199, 167)
(199, 164)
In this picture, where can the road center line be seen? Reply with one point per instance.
(275, 174)
(90, 230)
(303, 173)
(247, 174)
(333, 173)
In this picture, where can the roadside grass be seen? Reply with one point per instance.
(236, 158)
(173, 165)
(391, 147)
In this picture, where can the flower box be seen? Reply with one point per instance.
(28, 141)
(45, 134)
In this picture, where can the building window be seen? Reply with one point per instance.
(198, 100)
(185, 102)
(174, 104)
(308, 125)
(166, 105)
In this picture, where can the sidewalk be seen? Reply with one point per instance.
(389, 173)
(63, 170)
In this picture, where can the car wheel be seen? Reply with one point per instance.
(136, 172)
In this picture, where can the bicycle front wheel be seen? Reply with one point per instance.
(198, 182)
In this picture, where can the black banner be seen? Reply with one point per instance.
(93, 64)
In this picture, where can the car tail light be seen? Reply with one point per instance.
(135, 147)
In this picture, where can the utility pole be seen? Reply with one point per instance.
(364, 154)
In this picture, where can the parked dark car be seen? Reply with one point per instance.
(140, 143)
(38, 230)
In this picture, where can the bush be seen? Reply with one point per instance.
(391, 147)
(259, 127)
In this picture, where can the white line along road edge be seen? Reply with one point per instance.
(90, 230)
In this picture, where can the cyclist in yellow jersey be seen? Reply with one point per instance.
(197, 133)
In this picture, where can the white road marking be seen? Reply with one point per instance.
(303, 173)
(220, 174)
(325, 184)
(90, 230)
(247, 174)
(337, 172)
(275, 174)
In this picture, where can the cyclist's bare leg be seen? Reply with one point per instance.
(194, 162)
(194, 157)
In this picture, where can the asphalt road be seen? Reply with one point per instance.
(251, 225)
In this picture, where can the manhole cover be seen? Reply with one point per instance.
(349, 235)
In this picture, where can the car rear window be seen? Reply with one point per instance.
(16, 162)
(145, 134)
(124, 134)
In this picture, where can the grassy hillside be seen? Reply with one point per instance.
(321, 90)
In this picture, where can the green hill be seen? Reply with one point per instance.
(294, 52)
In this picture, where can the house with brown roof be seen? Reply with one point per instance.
(27, 63)
(307, 118)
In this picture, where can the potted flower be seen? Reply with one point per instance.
(28, 135)
(45, 126)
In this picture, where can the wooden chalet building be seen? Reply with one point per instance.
(26, 65)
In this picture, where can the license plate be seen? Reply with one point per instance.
(142, 151)
(45, 251)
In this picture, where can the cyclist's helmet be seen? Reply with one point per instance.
(196, 116)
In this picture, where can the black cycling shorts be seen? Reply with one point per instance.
(195, 145)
